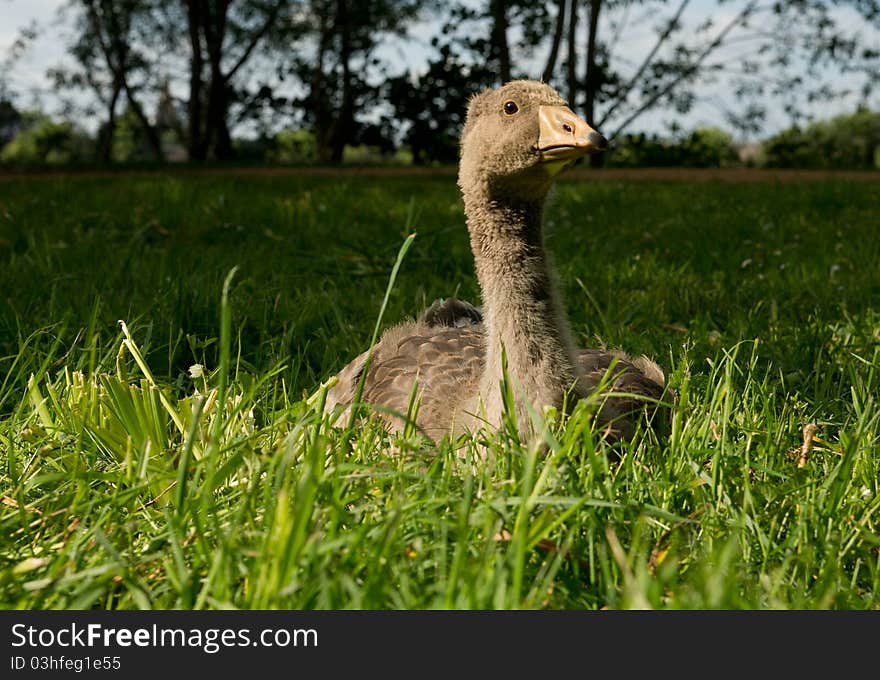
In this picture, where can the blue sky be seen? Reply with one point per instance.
(28, 76)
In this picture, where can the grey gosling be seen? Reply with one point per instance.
(516, 139)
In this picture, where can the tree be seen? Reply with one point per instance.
(559, 26)
(10, 122)
(39, 139)
(702, 148)
(223, 36)
(112, 39)
(109, 29)
(500, 51)
(433, 121)
(849, 141)
(323, 64)
(613, 91)
(571, 61)
(131, 49)
(472, 51)
(13, 53)
(680, 61)
(343, 76)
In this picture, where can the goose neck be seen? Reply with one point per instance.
(524, 314)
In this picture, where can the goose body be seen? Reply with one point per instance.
(452, 359)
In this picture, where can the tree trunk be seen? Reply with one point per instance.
(499, 47)
(149, 130)
(341, 128)
(571, 65)
(554, 46)
(108, 132)
(214, 15)
(219, 139)
(216, 132)
(592, 78)
(196, 146)
(319, 103)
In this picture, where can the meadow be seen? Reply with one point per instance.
(180, 460)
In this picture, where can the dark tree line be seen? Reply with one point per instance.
(340, 67)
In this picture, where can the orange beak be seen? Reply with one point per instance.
(564, 136)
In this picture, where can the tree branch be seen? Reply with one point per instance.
(690, 70)
(119, 49)
(258, 36)
(618, 30)
(670, 27)
(554, 46)
(592, 79)
(571, 66)
(97, 27)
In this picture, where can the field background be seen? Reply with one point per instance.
(129, 480)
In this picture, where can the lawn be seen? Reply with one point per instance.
(180, 460)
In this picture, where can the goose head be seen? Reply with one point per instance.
(518, 137)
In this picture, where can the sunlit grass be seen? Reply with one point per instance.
(181, 459)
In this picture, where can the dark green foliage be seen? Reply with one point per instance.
(10, 121)
(845, 142)
(703, 148)
(40, 140)
(340, 77)
(433, 106)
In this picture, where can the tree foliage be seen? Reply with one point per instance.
(10, 120)
(222, 37)
(702, 148)
(341, 69)
(40, 140)
(432, 106)
(849, 141)
(111, 49)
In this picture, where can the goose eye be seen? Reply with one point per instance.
(510, 108)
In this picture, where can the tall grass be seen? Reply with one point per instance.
(181, 459)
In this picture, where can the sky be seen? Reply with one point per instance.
(45, 52)
(28, 75)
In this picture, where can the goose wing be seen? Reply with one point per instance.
(442, 362)
(638, 384)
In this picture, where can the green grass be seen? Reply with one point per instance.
(130, 480)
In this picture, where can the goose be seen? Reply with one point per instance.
(515, 141)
